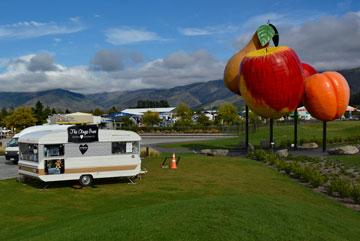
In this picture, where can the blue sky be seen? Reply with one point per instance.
(91, 46)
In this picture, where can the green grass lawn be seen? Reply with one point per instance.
(347, 160)
(206, 198)
(307, 132)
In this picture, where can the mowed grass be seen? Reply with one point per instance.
(348, 160)
(306, 131)
(206, 198)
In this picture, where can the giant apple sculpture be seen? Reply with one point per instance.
(272, 81)
(308, 69)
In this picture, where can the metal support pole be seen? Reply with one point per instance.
(296, 117)
(246, 128)
(324, 136)
(271, 139)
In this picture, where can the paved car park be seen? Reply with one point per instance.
(8, 169)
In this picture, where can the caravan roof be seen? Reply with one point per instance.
(41, 128)
(61, 136)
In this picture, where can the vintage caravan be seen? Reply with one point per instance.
(79, 153)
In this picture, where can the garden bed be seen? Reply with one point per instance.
(337, 180)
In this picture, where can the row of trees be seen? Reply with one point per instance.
(226, 116)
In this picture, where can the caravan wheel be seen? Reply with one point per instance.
(86, 180)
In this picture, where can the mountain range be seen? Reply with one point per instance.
(204, 94)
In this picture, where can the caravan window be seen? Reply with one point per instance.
(28, 152)
(125, 147)
(53, 150)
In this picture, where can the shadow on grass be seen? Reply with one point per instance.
(38, 184)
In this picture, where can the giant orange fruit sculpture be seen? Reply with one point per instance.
(326, 95)
(272, 81)
(231, 72)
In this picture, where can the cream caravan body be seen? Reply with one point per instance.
(59, 155)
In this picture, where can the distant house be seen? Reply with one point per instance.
(74, 118)
(165, 113)
(136, 114)
(303, 114)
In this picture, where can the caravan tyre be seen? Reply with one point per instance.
(86, 180)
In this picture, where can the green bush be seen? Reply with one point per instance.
(341, 186)
(355, 193)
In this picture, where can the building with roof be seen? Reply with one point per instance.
(74, 118)
(136, 114)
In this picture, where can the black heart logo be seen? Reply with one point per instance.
(83, 148)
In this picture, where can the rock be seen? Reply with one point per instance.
(282, 153)
(220, 152)
(343, 150)
(215, 152)
(206, 152)
(311, 145)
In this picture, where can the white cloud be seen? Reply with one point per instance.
(209, 30)
(126, 35)
(33, 29)
(326, 42)
(40, 72)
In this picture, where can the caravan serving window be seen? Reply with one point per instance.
(125, 147)
(53, 150)
(29, 152)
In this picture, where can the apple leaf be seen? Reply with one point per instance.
(265, 33)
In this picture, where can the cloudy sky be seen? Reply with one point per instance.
(94, 46)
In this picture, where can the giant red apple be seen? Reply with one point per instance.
(272, 81)
(308, 69)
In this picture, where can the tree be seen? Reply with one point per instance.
(127, 123)
(150, 119)
(151, 104)
(97, 112)
(184, 112)
(203, 120)
(53, 111)
(38, 112)
(3, 114)
(113, 110)
(227, 114)
(47, 112)
(21, 118)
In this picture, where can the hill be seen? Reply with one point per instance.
(207, 94)
(204, 94)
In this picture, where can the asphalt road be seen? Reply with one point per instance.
(9, 170)
(153, 139)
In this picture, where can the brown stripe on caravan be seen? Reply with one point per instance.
(32, 169)
(100, 169)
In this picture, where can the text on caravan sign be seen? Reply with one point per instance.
(81, 134)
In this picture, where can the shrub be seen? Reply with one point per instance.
(355, 193)
(152, 152)
(2, 151)
(341, 186)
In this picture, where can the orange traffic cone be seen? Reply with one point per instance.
(173, 162)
